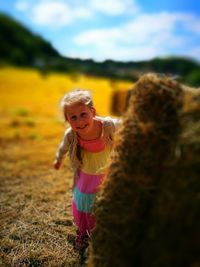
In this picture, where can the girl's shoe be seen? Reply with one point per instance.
(81, 241)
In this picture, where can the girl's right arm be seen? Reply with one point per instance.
(62, 150)
(56, 164)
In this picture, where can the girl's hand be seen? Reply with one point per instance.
(56, 165)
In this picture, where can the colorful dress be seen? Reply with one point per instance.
(89, 168)
(94, 155)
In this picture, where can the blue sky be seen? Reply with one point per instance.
(123, 30)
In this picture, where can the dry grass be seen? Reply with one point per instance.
(35, 202)
(36, 222)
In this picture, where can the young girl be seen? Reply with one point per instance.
(88, 142)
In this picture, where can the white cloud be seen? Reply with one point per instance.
(51, 13)
(114, 7)
(143, 29)
(64, 12)
(22, 5)
(98, 37)
(145, 36)
(144, 26)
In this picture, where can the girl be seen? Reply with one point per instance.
(88, 142)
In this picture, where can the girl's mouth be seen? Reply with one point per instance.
(83, 127)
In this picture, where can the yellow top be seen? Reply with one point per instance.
(95, 162)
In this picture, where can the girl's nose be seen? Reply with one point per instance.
(80, 120)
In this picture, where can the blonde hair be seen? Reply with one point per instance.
(77, 96)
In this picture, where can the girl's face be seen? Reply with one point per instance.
(81, 118)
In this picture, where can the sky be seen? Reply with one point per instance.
(121, 30)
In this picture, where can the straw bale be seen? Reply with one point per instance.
(148, 208)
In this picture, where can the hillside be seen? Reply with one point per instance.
(19, 46)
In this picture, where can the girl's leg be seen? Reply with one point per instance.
(84, 221)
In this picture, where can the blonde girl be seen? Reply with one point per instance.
(88, 142)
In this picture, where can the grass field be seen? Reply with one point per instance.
(35, 202)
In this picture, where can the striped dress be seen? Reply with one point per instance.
(94, 154)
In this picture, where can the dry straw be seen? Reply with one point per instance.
(148, 209)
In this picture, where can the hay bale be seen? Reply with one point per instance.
(148, 209)
(119, 101)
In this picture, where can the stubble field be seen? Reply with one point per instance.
(35, 200)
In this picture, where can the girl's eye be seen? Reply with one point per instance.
(83, 114)
(73, 118)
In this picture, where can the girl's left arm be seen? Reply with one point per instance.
(117, 122)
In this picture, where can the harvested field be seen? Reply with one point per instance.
(35, 201)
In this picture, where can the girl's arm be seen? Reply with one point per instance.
(62, 150)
